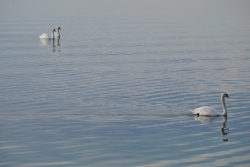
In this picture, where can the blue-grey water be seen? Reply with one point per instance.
(117, 88)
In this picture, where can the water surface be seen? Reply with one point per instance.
(117, 88)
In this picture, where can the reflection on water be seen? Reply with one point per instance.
(53, 46)
(205, 119)
(209, 119)
(99, 140)
(58, 42)
(46, 42)
(55, 49)
(117, 94)
(223, 128)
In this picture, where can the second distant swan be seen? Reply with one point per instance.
(210, 111)
(58, 32)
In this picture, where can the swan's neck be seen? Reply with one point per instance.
(223, 105)
(58, 32)
(53, 34)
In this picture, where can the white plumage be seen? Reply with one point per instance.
(206, 110)
(46, 36)
(58, 33)
(210, 111)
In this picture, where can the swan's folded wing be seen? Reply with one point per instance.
(206, 110)
(44, 36)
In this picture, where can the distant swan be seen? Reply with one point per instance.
(58, 32)
(46, 36)
(210, 111)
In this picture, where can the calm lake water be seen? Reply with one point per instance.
(117, 88)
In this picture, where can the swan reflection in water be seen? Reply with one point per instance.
(46, 42)
(207, 120)
(58, 44)
(223, 128)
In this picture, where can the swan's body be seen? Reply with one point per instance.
(210, 111)
(58, 33)
(46, 36)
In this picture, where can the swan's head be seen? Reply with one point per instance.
(225, 95)
(59, 28)
(53, 30)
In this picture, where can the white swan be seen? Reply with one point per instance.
(46, 36)
(58, 32)
(210, 111)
